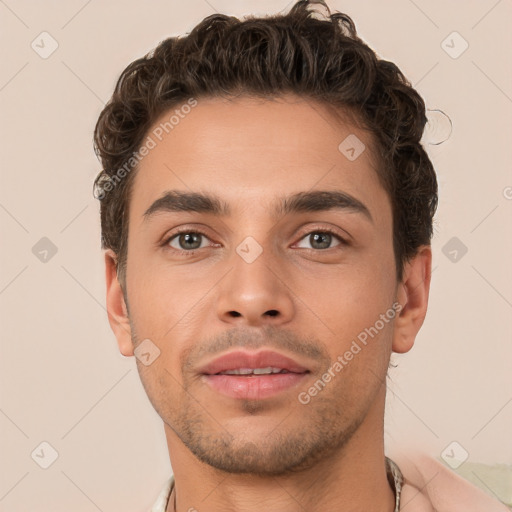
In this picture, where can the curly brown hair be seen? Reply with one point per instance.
(316, 57)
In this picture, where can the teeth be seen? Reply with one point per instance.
(256, 371)
(241, 371)
(261, 371)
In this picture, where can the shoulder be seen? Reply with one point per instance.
(430, 486)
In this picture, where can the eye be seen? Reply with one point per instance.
(321, 240)
(187, 241)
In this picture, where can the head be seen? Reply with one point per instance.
(264, 187)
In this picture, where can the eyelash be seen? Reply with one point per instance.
(167, 240)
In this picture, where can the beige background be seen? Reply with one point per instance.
(62, 378)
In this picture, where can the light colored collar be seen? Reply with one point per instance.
(396, 480)
(161, 502)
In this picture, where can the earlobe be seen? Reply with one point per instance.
(116, 306)
(412, 295)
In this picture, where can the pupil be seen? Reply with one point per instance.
(322, 239)
(190, 238)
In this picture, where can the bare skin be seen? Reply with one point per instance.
(305, 297)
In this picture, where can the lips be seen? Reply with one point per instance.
(245, 361)
(247, 376)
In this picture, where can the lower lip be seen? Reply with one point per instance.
(254, 387)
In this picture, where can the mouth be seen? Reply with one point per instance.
(253, 376)
(269, 370)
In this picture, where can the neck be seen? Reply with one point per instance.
(350, 479)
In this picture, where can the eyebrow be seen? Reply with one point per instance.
(301, 202)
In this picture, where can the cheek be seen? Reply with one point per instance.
(355, 304)
(168, 306)
(155, 291)
(345, 300)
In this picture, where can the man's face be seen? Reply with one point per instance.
(302, 283)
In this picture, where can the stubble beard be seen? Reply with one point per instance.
(324, 431)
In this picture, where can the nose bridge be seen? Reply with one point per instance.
(253, 291)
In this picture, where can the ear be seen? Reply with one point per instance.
(412, 294)
(116, 306)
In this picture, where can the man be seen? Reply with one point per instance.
(266, 211)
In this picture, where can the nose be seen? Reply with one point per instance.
(255, 293)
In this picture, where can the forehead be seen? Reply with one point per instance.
(250, 151)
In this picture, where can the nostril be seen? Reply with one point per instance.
(270, 312)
